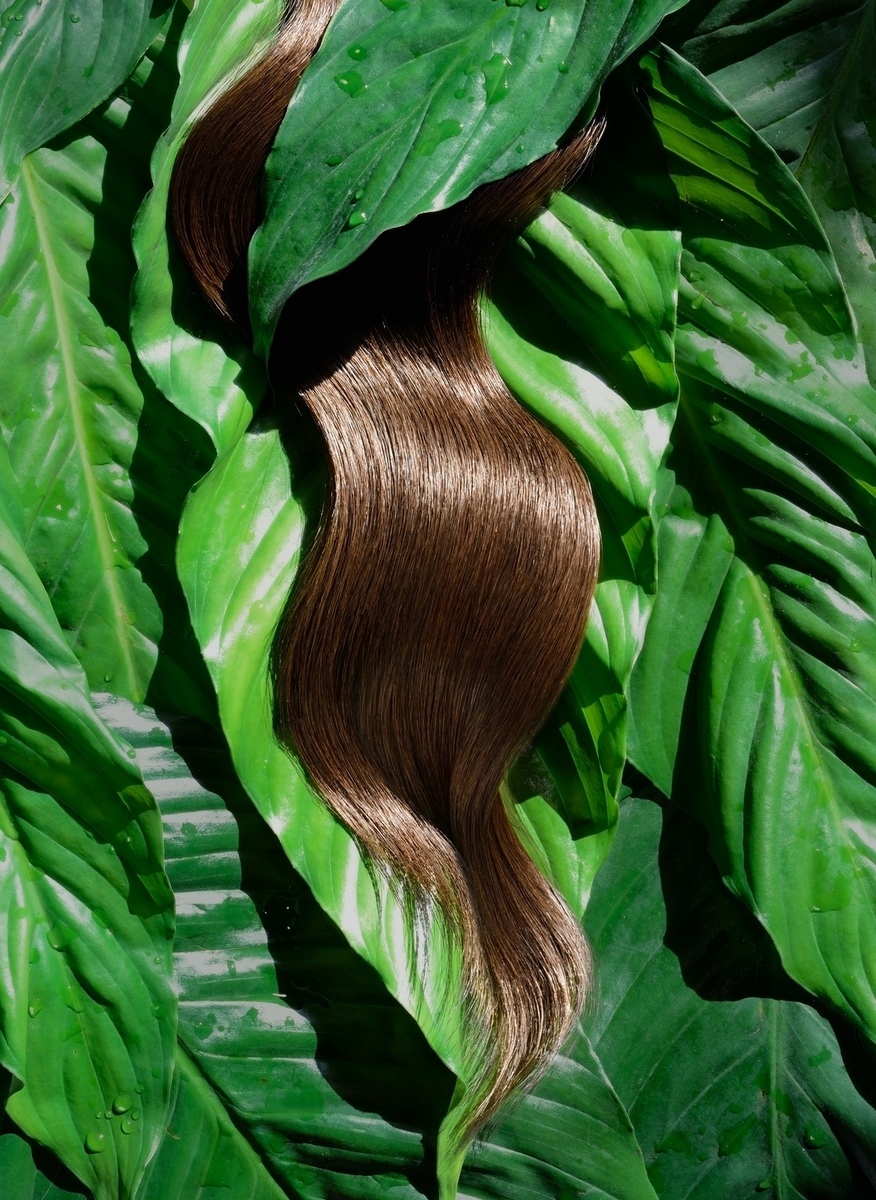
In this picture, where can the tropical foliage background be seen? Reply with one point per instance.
(204, 995)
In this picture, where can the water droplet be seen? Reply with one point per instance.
(814, 1136)
(764, 1185)
(108, 1115)
(396, 5)
(135, 1115)
(157, 960)
(519, 149)
(855, 646)
(334, 159)
(432, 138)
(75, 21)
(35, 1007)
(132, 754)
(495, 72)
(128, 1125)
(122, 1103)
(59, 936)
(107, 678)
(95, 1143)
(139, 1089)
(358, 52)
(459, 93)
(563, 68)
(541, 5)
(351, 82)
(515, 3)
(99, 1114)
(356, 218)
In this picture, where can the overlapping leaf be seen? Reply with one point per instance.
(283, 1029)
(778, 442)
(58, 61)
(599, 269)
(97, 472)
(408, 106)
(733, 1089)
(196, 360)
(86, 1010)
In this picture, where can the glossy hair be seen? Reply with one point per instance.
(443, 603)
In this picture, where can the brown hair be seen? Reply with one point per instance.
(444, 601)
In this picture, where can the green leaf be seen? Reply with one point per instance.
(599, 269)
(99, 483)
(59, 61)
(838, 173)
(197, 361)
(86, 1011)
(695, 553)
(29, 1171)
(408, 106)
(777, 440)
(239, 544)
(571, 1136)
(284, 1028)
(733, 1087)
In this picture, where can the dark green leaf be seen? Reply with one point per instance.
(732, 1089)
(838, 172)
(86, 1011)
(776, 63)
(58, 61)
(409, 105)
(778, 441)
(28, 1170)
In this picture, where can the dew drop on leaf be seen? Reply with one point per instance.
(356, 218)
(35, 1007)
(351, 82)
(95, 1142)
(563, 68)
(495, 71)
(358, 53)
(128, 1125)
(122, 1103)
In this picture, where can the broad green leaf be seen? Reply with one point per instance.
(100, 479)
(197, 361)
(296, 1039)
(733, 1087)
(776, 64)
(59, 61)
(603, 258)
(838, 173)
(570, 1137)
(408, 106)
(86, 1011)
(777, 440)
(239, 541)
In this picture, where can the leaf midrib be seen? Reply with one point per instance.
(99, 515)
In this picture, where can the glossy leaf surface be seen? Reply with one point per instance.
(733, 1089)
(777, 441)
(196, 360)
(408, 106)
(599, 269)
(58, 61)
(86, 1010)
(294, 1043)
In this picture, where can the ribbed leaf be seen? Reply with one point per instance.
(58, 61)
(408, 106)
(83, 447)
(776, 63)
(86, 1011)
(284, 1028)
(195, 359)
(732, 1090)
(778, 442)
(570, 1137)
(838, 173)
